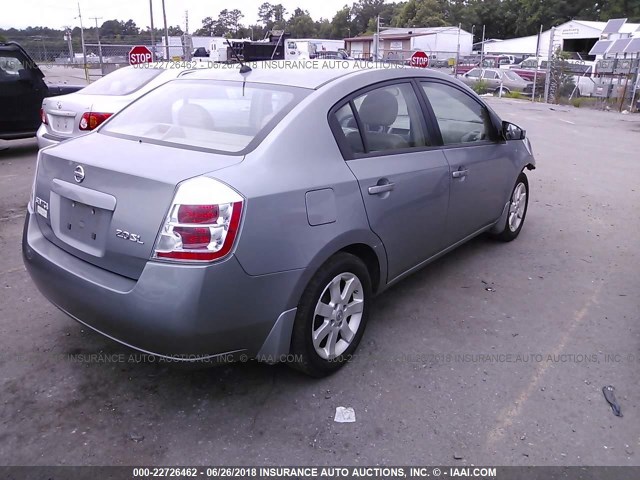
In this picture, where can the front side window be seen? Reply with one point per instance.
(206, 114)
(390, 118)
(461, 119)
(122, 82)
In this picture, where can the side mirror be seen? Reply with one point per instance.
(511, 131)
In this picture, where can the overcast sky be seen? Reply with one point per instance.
(58, 13)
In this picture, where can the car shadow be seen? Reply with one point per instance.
(236, 376)
(17, 148)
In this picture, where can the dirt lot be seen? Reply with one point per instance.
(494, 355)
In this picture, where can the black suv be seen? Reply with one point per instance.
(22, 89)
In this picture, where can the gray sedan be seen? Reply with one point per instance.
(495, 79)
(230, 215)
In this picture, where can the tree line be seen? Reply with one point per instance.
(501, 18)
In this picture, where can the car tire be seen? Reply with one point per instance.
(505, 91)
(325, 334)
(517, 210)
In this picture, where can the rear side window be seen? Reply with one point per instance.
(512, 76)
(388, 118)
(205, 114)
(347, 121)
(123, 81)
(10, 65)
(461, 119)
(475, 73)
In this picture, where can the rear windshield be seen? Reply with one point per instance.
(229, 117)
(123, 81)
(512, 76)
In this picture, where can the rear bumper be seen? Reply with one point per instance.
(177, 311)
(46, 139)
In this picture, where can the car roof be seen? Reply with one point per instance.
(311, 74)
(170, 66)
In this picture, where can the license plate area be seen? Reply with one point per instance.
(81, 226)
(61, 123)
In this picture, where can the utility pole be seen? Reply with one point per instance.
(153, 33)
(535, 72)
(482, 46)
(377, 45)
(67, 37)
(98, 34)
(187, 43)
(84, 50)
(166, 33)
(458, 50)
(547, 83)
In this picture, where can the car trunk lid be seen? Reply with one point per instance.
(107, 206)
(64, 112)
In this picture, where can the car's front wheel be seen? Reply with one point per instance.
(331, 316)
(517, 210)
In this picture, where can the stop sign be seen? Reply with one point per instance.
(139, 54)
(419, 59)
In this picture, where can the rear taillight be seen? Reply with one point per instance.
(43, 116)
(32, 198)
(202, 224)
(91, 120)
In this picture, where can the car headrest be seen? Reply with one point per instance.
(379, 107)
(192, 115)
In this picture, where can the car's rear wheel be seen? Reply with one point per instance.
(332, 315)
(496, 92)
(517, 210)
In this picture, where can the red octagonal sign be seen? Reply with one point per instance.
(140, 54)
(419, 59)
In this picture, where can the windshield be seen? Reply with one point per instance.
(123, 81)
(206, 114)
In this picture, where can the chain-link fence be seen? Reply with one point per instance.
(437, 60)
(106, 58)
(55, 56)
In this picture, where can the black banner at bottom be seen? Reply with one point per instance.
(322, 473)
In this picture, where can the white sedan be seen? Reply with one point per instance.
(67, 116)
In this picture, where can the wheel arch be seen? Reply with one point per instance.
(363, 244)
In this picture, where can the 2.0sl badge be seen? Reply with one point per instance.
(134, 237)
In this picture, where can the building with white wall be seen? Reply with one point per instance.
(575, 36)
(439, 42)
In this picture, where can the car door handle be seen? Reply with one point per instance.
(459, 173)
(376, 189)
